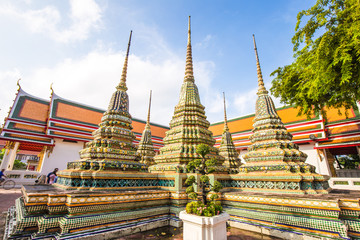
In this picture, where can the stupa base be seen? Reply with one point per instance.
(45, 211)
(331, 216)
(277, 182)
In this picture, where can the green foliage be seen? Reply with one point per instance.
(190, 207)
(193, 196)
(202, 207)
(202, 150)
(213, 197)
(19, 165)
(190, 180)
(349, 161)
(2, 153)
(326, 69)
(204, 179)
(217, 186)
(190, 189)
(211, 162)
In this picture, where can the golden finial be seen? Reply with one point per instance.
(51, 88)
(18, 84)
(189, 72)
(226, 128)
(189, 31)
(148, 116)
(262, 89)
(122, 84)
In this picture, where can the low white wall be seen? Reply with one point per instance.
(345, 183)
(22, 177)
(63, 153)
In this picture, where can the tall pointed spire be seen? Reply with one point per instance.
(148, 116)
(122, 84)
(226, 128)
(262, 89)
(273, 156)
(188, 127)
(146, 148)
(189, 71)
(227, 148)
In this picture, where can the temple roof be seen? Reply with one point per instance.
(332, 130)
(27, 120)
(36, 122)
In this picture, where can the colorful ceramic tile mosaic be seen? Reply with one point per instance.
(227, 148)
(112, 148)
(146, 148)
(273, 154)
(188, 127)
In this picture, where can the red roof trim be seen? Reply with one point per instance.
(338, 146)
(72, 123)
(27, 122)
(68, 131)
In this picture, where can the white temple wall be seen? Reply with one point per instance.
(63, 153)
(313, 158)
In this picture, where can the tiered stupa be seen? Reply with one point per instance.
(227, 148)
(188, 127)
(146, 148)
(274, 163)
(112, 149)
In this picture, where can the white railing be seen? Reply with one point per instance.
(345, 183)
(22, 177)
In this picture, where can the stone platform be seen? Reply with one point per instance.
(46, 211)
(330, 216)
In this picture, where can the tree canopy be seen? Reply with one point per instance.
(326, 69)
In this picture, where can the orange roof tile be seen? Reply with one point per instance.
(290, 114)
(78, 114)
(29, 127)
(34, 110)
(332, 114)
(139, 127)
(344, 129)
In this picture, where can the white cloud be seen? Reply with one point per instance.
(92, 79)
(245, 101)
(85, 16)
(205, 42)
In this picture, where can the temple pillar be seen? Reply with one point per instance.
(10, 155)
(330, 159)
(42, 156)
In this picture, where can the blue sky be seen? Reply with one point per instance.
(79, 46)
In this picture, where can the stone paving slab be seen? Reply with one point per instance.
(7, 199)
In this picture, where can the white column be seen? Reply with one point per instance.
(10, 155)
(5, 159)
(43, 156)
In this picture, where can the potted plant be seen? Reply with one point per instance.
(203, 217)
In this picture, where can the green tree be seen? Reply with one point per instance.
(19, 165)
(2, 153)
(326, 69)
(349, 161)
(204, 167)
